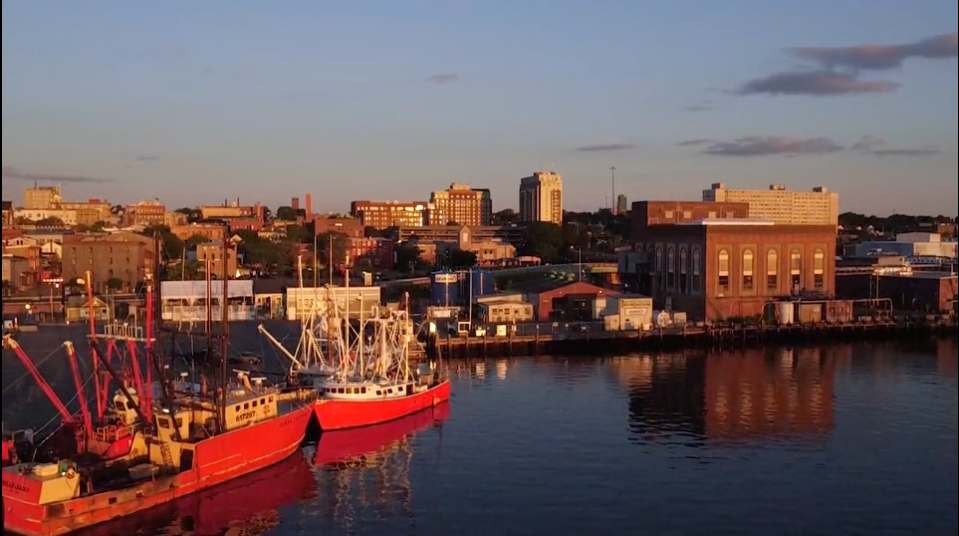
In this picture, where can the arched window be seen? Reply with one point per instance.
(683, 270)
(723, 271)
(795, 269)
(772, 270)
(659, 260)
(671, 268)
(819, 268)
(749, 259)
(697, 270)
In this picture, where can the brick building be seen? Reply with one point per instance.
(380, 252)
(351, 227)
(210, 231)
(721, 269)
(145, 213)
(213, 252)
(645, 213)
(566, 301)
(386, 214)
(460, 204)
(8, 214)
(123, 256)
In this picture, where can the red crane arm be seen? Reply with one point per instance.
(32, 369)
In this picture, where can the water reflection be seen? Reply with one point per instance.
(947, 358)
(364, 473)
(748, 396)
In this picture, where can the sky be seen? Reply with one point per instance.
(195, 102)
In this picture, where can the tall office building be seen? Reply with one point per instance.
(779, 205)
(541, 198)
(622, 206)
(461, 204)
(42, 198)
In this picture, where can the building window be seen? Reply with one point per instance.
(723, 271)
(748, 261)
(683, 271)
(795, 269)
(671, 268)
(697, 270)
(658, 268)
(772, 270)
(819, 268)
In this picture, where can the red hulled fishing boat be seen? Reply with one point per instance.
(189, 443)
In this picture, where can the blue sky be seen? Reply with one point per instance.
(197, 101)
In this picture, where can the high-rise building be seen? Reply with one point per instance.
(779, 205)
(42, 198)
(386, 214)
(541, 198)
(461, 204)
(621, 204)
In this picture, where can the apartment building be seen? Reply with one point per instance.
(89, 212)
(145, 213)
(42, 197)
(213, 252)
(460, 204)
(541, 198)
(121, 256)
(779, 205)
(386, 214)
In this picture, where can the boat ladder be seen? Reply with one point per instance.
(167, 455)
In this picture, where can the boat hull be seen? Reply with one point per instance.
(335, 414)
(8, 446)
(217, 460)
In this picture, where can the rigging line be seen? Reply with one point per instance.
(71, 401)
(36, 364)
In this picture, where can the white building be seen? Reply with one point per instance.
(185, 301)
(300, 301)
(68, 217)
(541, 198)
(918, 245)
(818, 206)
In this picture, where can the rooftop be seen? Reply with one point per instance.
(728, 221)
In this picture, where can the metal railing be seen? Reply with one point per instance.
(192, 313)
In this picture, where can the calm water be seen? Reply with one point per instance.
(854, 439)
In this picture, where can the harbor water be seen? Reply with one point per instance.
(843, 439)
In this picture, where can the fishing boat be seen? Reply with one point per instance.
(344, 445)
(190, 443)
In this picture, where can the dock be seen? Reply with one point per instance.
(716, 336)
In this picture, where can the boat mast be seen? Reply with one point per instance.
(224, 329)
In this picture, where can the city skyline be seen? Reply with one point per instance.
(389, 101)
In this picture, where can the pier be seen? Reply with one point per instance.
(584, 341)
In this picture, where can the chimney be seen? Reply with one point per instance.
(295, 204)
(309, 204)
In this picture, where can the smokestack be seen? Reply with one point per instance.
(309, 204)
(295, 204)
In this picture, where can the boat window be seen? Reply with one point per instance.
(254, 403)
(262, 401)
(237, 407)
(164, 423)
(379, 392)
(271, 399)
(179, 422)
(246, 406)
(363, 390)
(390, 391)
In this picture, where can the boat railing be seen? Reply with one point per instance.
(123, 331)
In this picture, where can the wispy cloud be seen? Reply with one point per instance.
(880, 57)
(13, 174)
(878, 147)
(605, 148)
(837, 70)
(699, 108)
(443, 79)
(816, 83)
(773, 145)
(695, 142)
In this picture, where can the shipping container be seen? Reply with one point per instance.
(839, 312)
(810, 313)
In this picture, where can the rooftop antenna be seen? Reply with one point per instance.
(613, 207)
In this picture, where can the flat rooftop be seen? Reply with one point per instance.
(728, 221)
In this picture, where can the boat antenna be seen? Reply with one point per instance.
(224, 327)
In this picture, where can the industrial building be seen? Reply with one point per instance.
(566, 300)
(723, 269)
(505, 309)
(906, 289)
(186, 301)
(918, 245)
(628, 312)
(779, 205)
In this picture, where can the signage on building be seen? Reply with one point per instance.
(446, 279)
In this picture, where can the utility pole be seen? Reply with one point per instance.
(613, 207)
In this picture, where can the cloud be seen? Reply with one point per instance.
(837, 69)
(773, 145)
(815, 83)
(699, 108)
(605, 148)
(880, 57)
(443, 79)
(695, 142)
(878, 147)
(10, 173)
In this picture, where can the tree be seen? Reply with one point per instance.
(408, 256)
(364, 265)
(114, 284)
(543, 240)
(506, 217)
(183, 270)
(372, 232)
(341, 245)
(286, 213)
(457, 258)
(50, 222)
(192, 214)
(299, 234)
(171, 247)
(98, 226)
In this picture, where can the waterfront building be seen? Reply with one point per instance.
(779, 205)
(185, 301)
(541, 198)
(724, 268)
(385, 214)
(460, 204)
